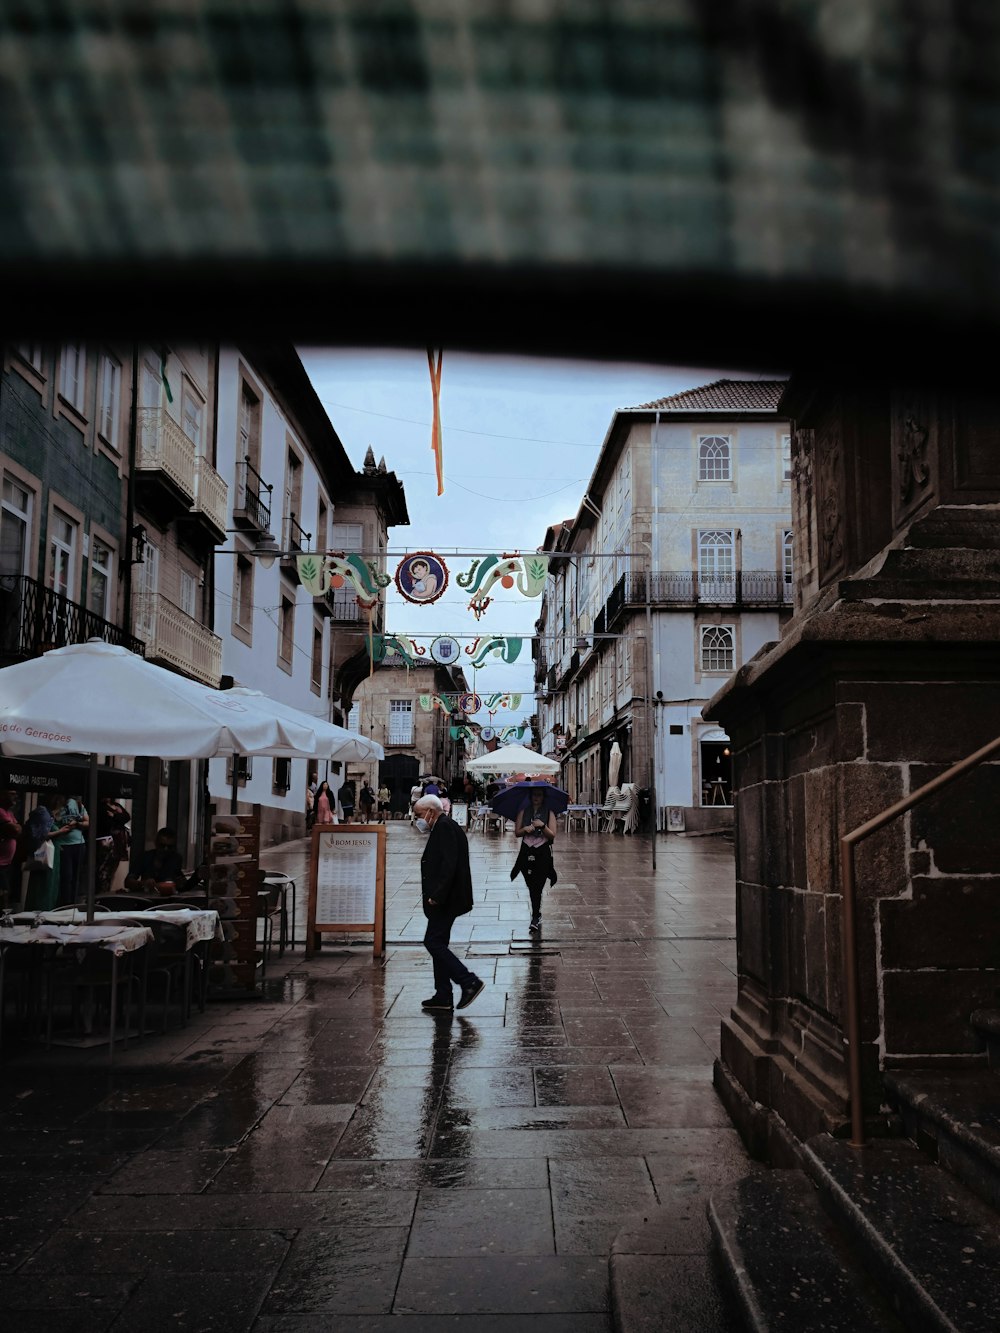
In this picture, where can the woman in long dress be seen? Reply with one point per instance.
(324, 804)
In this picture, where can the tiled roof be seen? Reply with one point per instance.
(722, 396)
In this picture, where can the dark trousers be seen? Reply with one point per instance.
(447, 967)
(70, 864)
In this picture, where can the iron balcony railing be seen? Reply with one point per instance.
(34, 619)
(295, 537)
(253, 496)
(742, 587)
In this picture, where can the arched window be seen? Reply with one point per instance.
(714, 458)
(717, 652)
(715, 553)
(786, 556)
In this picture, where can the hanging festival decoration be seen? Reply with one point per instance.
(332, 571)
(452, 702)
(448, 703)
(507, 649)
(526, 573)
(462, 733)
(487, 734)
(507, 734)
(445, 650)
(421, 577)
(383, 647)
(434, 365)
(470, 703)
(495, 701)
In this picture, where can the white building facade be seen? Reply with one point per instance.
(678, 568)
(290, 484)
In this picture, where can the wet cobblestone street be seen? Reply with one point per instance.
(328, 1156)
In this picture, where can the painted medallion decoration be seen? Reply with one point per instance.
(421, 577)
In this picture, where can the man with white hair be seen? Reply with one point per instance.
(446, 886)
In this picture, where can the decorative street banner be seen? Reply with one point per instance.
(387, 647)
(421, 577)
(527, 574)
(508, 650)
(470, 703)
(320, 574)
(451, 703)
(445, 650)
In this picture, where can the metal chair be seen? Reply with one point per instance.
(577, 819)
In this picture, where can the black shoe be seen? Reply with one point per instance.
(442, 1003)
(470, 992)
(536, 923)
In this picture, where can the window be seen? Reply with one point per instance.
(281, 776)
(714, 458)
(15, 523)
(31, 353)
(249, 443)
(400, 722)
(189, 594)
(244, 769)
(243, 592)
(717, 652)
(347, 537)
(108, 399)
(99, 592)
(286, 627)
(192, 414)
(322, 520)
(353, 720)
(150, 388)
(72, 374)
(715, 553)
(786, 458)
(317, 658)
(786, 556)
(146, 582)
(62, 553)
(296, 535)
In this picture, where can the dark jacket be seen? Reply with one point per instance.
(445, 875)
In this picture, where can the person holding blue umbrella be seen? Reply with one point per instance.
(535, 825)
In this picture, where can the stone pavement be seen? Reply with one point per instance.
(327, 1156)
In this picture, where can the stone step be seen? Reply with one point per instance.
(953, 1116)
(957, 527)
(785, 1264)
(931, 1244)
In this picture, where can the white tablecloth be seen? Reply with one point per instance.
(199, 923)
(118, 938)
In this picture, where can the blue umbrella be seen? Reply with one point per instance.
(510, 800)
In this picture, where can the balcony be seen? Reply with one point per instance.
(295, 541)
(252, 507)
(165, 466)
(34, 619)
(210, 498)
(178, 640)
(745, 588)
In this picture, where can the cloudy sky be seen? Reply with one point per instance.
(521, 439)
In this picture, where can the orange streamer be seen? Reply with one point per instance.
(434, 365)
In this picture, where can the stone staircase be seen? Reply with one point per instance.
(902, 1235)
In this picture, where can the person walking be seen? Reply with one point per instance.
(384, 799)
(416, 791)
(324, 804)
(535, 825)
(114, 841)
(366, 802)
(346, 797)
(446, 889)
(42, 893)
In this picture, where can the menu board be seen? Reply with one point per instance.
(347, 883)
(234, 877)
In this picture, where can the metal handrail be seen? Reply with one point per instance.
(852, 983)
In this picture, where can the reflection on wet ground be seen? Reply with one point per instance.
(326, 1154)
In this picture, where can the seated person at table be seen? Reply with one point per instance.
(159, 868)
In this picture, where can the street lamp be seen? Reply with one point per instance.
(650, 716)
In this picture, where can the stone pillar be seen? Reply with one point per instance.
(888, 673)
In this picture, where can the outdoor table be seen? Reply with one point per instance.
(587, 811)
(199, 923)
(120, 939)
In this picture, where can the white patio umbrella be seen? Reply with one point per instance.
(96, 698)
(512, 759)
(614, 764)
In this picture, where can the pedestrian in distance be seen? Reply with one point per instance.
(71, 822)
(446, 889)
(384, 800)
(346, 798)
(416, 791)
(366, 801)
(535, 825)
(324, 804)
(10, 832)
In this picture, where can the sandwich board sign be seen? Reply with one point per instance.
(346, 883)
